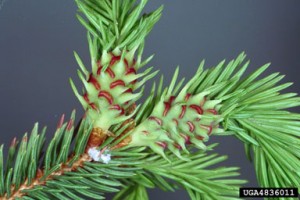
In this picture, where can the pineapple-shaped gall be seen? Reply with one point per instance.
(176, 121)
(109, 91)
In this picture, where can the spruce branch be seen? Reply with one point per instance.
(63, 168)
(249, 109)
(108, 153)
(75, 174)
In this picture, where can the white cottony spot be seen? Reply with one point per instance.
(97, 155)
(94, 153)
(105, 158)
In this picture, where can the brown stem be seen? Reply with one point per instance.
(37, 181)
(97, 137)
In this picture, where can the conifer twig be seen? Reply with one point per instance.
(107, 152)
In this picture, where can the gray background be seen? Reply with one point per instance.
(37, 39)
